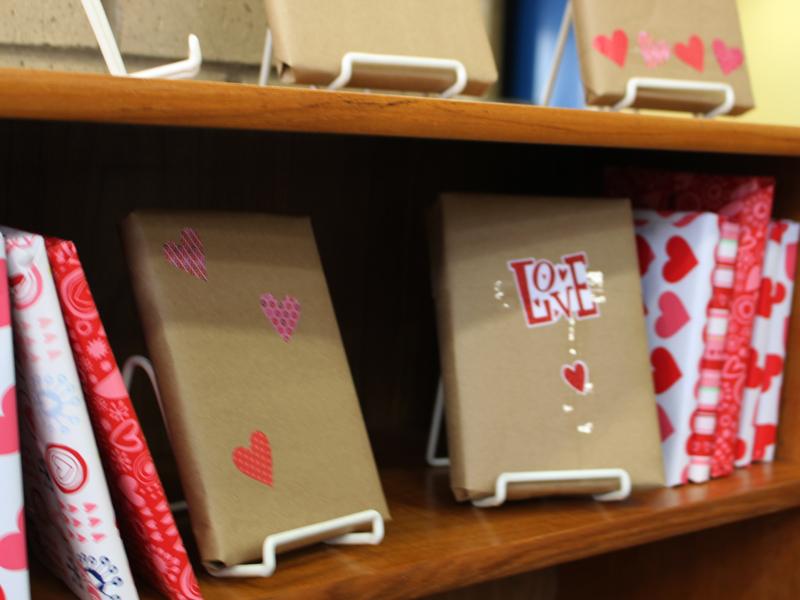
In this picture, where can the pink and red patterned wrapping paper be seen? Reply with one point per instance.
(758, 429)
(71, 518)
(677, 260)
(14, 582)
(746, 201)
(704, 419)
(152, 539)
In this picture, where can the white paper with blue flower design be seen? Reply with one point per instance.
(70, 515)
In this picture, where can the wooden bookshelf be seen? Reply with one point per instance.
(434, 544)
(105, 99)
(81, 151)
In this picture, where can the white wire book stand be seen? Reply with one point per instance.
(504, 480)
(636, 83)
(183, 69)
(328, 531)
(351, 60)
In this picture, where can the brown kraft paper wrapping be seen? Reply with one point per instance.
(618, 40)
(311, 37)
(263, 419)
(510, 406)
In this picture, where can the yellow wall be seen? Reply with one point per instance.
(771, 30)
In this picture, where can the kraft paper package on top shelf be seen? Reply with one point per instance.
(543, 342)
(257, 394)
(696, 40)
(312, 36)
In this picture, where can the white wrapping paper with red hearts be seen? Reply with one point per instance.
(677, 260)
(13, 553)
(777, 305)
(68, 505)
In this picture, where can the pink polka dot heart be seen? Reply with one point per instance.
(283, 315)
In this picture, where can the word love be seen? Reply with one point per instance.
(551, 291)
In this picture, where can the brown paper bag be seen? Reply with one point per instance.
(698, 40)
(258, 399)
(542, 340)
(311, 37)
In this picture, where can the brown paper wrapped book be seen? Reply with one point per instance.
(697, 40)
(257, 394)
(312, 36)
(543, 344)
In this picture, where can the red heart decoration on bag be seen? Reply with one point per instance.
(283, 315)
(681, 259)
(664, 424)
(614, 47)
(255, 461)
(665, 370)
(188, 254)
(673, 315)
(729, 58)
(9, 428)
(692, 53)
(576, 375)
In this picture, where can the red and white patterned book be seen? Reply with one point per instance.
(152, 539)
(72, 522)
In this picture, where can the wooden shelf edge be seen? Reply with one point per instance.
(434, 545)
(58, 96)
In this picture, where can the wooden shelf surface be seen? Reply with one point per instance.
(45, 95)
(434, 544)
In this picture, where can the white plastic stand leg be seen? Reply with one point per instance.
(184, 69)
(274, 542)
(653, 83)
(636, 83)
(504, 479)
(266, 59)
(436, 427)
(350, 59)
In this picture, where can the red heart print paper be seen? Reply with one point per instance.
(13, 554)
(775, 306)
(151, 537)
(255, 461)
(71, 519)
(677, 286)
(746, 201)
(188, 255)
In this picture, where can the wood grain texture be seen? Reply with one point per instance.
(755, 559)
(47, 95)
(434, 544)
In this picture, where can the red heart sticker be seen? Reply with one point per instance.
(576, 376)
(729, 58)
(614, 47)
(283, 315)
(188, 254)
(665, 370)
(673, 315)
(692, 53)
(255, 461)
(645, 253)
(681, 259)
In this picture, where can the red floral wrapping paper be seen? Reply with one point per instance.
(746, 201)
(151, 537)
